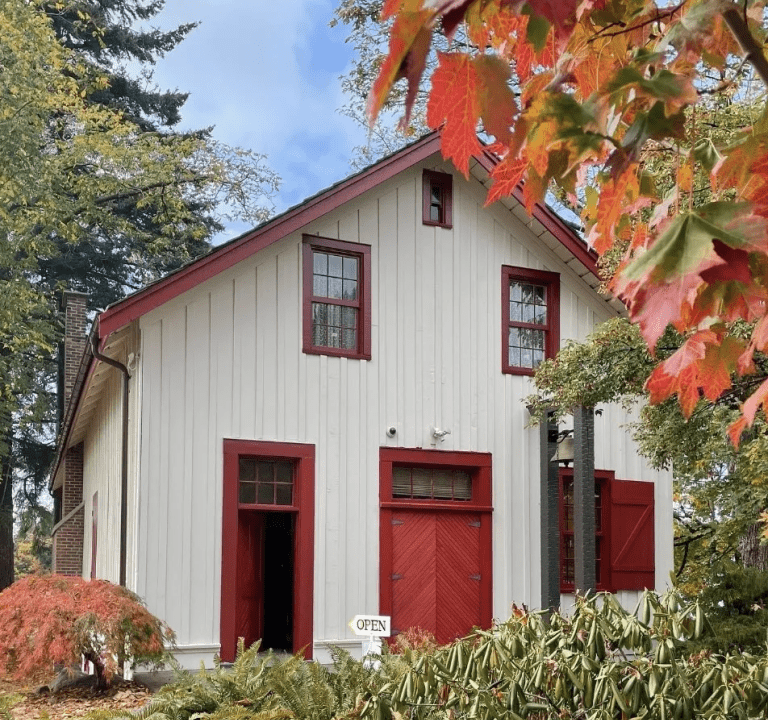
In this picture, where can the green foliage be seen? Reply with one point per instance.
(97, 193)
(720, 491)
(261, 686)
(600, 662)
(735, 600)
(7, 701)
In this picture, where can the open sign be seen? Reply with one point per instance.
(371, 625)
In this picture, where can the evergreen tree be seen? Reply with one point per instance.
(102, 197)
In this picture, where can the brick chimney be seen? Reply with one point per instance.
(68, 532)
(73, 305)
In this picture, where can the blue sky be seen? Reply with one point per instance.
(265, 74)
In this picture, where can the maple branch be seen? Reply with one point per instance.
(753, 52)
(649, 21)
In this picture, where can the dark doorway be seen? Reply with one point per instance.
(267, 577)
(278, 581)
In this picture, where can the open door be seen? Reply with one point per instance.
(267, 546)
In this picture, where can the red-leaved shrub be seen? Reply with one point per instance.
(52, 619)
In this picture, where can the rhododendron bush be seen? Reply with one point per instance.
(48, 620)
(581, 97)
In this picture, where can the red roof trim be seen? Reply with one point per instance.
(228, 255)
(575, 245)
(219, 260)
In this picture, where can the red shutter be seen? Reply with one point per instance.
(631, 541)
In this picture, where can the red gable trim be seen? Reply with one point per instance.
(219, 260)
(228, 255)
(574, 244)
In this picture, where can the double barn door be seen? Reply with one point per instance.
(435, 542)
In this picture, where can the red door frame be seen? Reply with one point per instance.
(304, 538)
(479, 465)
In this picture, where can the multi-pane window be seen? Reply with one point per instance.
(336, 298)
(265, 482)
(334, 277)
(530, 310)
(437, 199)
(431, 483)
(567, 545)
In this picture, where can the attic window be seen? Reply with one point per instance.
(337, 298)
(530, 312)
(437, 199)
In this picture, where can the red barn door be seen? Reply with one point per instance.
(436, 564)
(436, 541)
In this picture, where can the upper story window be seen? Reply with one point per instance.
(337, 298)
(530, 318)
(437, 194)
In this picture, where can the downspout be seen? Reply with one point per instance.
(124, 459)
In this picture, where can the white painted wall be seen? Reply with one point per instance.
(102, 462)
(224, 360)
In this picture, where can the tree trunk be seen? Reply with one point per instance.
(753, 553)
(6, 525)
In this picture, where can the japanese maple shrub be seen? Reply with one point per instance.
(52, 619)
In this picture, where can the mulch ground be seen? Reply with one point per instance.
(73, 702)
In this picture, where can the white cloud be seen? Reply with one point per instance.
(266, 75)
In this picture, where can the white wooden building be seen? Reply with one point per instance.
(325, 418)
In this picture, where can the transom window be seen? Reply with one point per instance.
(530, 318)
(437, 199)
(265, 482)
(336, 298)
(431, 483)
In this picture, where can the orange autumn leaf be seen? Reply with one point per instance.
(408, 47)
(454, 107)
(614, 197)
(506, 177)
(685, 178)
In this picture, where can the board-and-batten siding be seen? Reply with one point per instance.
(224, 360)
(102, 468)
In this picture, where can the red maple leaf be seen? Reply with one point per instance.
(506, 176)
(454, 106)
(704, 362)
(409, 42)
(735, 430)
(561, 13)
(497, 102)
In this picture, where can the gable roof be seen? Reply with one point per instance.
(553, 231)
(225, 256)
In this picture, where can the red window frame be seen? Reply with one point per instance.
(551, 281)
(443, 183)
(362, 253)
(303, 457)
(480, 467)
(605, 478)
